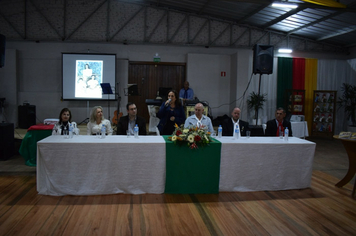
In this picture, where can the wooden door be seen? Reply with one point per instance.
(149, 77)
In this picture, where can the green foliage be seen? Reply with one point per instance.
(348, 101)
(255, 101)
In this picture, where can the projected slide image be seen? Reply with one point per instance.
(82, 74)
(89, 75)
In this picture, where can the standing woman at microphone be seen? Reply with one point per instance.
(170, 113)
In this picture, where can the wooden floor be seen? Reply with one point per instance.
(322, 209)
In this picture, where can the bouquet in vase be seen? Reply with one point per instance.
(192, 136)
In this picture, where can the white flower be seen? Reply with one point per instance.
(174, 138)
(185, 131)
(191, 138)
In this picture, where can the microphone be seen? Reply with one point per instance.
(167, 103)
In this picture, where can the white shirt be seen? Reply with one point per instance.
(57, 128)
(93, 127)
(194, 121)
(235, 123)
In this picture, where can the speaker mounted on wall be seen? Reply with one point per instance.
(263, 59)
(2, 50)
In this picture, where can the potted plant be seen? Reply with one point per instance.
(348, 102)
(255, 102)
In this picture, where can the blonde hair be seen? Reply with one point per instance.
(93, 113)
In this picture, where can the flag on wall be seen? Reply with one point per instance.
(299, 74)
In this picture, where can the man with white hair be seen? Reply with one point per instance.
(198, 119)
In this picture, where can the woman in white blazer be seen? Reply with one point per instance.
(65, 120)
(97, 120)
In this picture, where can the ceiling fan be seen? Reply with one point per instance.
(327, 3)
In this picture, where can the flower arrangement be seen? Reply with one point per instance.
(192, 136)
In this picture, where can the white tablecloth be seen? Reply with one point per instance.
(87, 165)
(265, 163)
(300, 129)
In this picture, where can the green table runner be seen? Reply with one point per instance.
(192, 171)
(28, 148)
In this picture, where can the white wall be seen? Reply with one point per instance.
(37, 68)
(204, 76)
(32, 73)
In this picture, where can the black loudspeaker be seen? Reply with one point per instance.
(2, 50)
(27, 116)
(6, 141)
(263, 59)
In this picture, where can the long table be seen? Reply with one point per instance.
(87, 165)
(265, 163)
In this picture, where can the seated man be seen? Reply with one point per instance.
(198, 119)
(128, 122)
(279, 124)
(228, 125)
(186, 93)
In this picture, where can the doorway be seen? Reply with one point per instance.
(149, 77)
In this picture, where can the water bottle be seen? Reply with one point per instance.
(286, 133)
(219, 131)
(70, 131)
(136, 131)
(237, 132)
(103, 131)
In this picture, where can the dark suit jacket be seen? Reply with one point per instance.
(123, 125)
(228, 127)
(271, 129)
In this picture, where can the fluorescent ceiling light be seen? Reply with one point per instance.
(285, 50)
(284, 5)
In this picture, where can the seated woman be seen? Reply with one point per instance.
(97, 120)
(62, 126)
(170, 113)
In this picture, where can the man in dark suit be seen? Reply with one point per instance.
(274, 126)
(229, 124)
(128, 122)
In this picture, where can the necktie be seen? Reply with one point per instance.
(279, 128)
(185, 94)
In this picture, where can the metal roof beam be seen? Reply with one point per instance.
(124, 25)
(12, 26)
(155, 28)
(44, 17)
(80, 25)
(352, 29)
(282, 17)
(201, 28)
(222, 32)
(178, 28)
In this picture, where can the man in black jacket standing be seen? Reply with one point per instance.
(128, 122)
(275, 126)
(229, 124)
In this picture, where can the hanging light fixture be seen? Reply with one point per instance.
(284, 5)
(285, 50)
